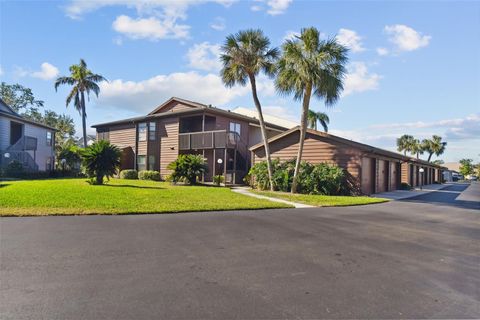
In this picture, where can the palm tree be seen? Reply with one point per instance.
(434, 146)
(309, 66)
(83, 81)
(314, 117)
(244, 56)
(416, 148)
(404, 143)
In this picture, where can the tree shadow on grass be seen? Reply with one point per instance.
(129, 186)
(2, 185)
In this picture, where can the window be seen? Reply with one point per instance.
(141, 163)
(152, 126)
(103, 134)
(48, 164)
(235, 127)
(151, 162)
(142, 132)
(49, 138)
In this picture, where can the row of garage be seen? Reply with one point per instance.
(375, 170)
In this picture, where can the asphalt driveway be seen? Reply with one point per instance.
(406, 259)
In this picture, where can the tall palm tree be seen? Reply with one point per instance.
(244, 55)
(314, 117)
(416, 148)
(434, 146)
(83, 81)
(404, 143)
(309, 66)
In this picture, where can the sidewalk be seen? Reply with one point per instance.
(246, 191)
(404, 194)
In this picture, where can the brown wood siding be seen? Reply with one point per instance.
(123, 135)
(405, 176)
(316, 150)
(175, 106)
(367, 175)
(168, 132)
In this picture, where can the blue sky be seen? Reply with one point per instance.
(414, 66)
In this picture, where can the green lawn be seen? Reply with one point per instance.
(322, 201)
(76, 196)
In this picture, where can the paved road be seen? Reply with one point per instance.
(409, 259)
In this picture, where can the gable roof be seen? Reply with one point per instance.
(355, 144)
(196, 108)
(189, 103)
(10, 113)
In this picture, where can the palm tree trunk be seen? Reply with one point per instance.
(263, 130)
(315, 126)
(84, 120)
(303, 132)
(430, 156)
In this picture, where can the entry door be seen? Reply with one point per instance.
(368, 175)
(16, 132)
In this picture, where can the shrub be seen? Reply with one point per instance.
(218, 180)
(69, 158)
(187, 168)
(405, 186)
(101, 159)
(129, 174)
(14, 170)
(312, 179)
(149, 175)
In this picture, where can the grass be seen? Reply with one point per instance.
(77, 197)
(321, 200)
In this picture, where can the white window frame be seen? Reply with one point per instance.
(142, 131)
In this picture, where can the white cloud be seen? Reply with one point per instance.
(382, 51)
(204, 56)
(406, 38)
(218, 24)
(350, 39)
(77, 8)
(158, 19)
(143, 96)
(290, 35)
(150, 28)
(274, 7)
(359, 79)
(47, 72)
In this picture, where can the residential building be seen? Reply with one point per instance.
(231, 142)
(180, 126)
(28, 142)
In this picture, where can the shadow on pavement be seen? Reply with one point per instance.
(446, 197)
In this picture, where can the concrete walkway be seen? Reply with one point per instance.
(405, 194)
(246, 191)
(472, 193)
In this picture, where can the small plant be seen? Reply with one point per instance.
(101, 159)
(405, 186)
(14, 170)
(149, 175)
(218, 180)
(129, 174)
(187, 168)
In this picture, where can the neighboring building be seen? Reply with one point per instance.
(373, 170)
(29, 142)
(180, 126)
(231, 142)
(91, 138)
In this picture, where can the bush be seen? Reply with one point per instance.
(312, 179)
(101, 159)
(129, 174)
(14, 170)
(405, 186)
(187, 168)
(218, 180)
(149, 175)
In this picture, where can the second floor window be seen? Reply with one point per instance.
(235, 127)
(142, 132)
(152, 130)
(49, 138)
